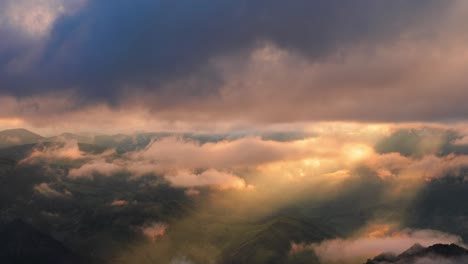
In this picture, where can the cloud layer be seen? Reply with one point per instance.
(162, 62)
(358, 250)
(330, 156)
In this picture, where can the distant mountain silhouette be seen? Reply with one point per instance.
(71, 136)
(438, 253)
(21, 243)
(13, 137)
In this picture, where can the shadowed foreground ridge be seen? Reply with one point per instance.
(438, 253)
(271, 242)
(21, 243)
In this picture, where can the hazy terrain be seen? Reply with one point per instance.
(120, 199)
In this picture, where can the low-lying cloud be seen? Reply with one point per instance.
(46, 190)
(69, 150)
(99, 166)
(209, 177)
(358, 250)
(155, 230)
(330, 155)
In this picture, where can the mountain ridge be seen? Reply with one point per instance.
(18, 136)
(437, 253)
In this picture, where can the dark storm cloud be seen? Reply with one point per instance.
(106, 47)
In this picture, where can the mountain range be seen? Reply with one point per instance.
(417, 254)
(13, 137)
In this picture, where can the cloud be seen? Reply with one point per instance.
(68, 150)
(27, 25)
(35, 18)
(329, 155)
(119, 203)
(358, 250)
(428, 167)
(209, 177)
(31, 17)
(439, 253)
(260, 62)
(461, 141)
(192, 192)
(99, 166)
(248, 151)
(177, 177)
(189, 163)
(327, 159)
(251, 91)
(166, 157)
(63, 149)
(155, 230)
(47, 191)
(136, 51)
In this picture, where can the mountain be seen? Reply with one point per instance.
(270, 242)
(72, 137)
(13, 137)
(21, 243)
(438, 253)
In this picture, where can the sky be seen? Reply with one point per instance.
(84, 65)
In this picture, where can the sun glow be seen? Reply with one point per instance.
(357, 152)
(11, 122)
